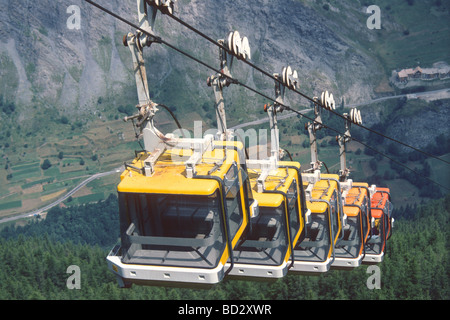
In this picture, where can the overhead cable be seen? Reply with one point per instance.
(295, 90)
(235, 81)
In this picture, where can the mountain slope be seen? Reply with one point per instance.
(70, 69)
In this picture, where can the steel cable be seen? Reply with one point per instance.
(295, 90)
(235, 81)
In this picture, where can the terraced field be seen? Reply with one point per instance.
(27, 185)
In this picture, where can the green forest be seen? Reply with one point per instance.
(35, 259)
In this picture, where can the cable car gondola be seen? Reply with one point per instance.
(315, 253)
(183, 202)
(381, 226)
(350, 249)
(176, 229)
(356, 205)
(265, 251)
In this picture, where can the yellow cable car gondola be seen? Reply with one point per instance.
(183, 205)
(176, 229)
(350, 249)
(266, 249)
(315, 253)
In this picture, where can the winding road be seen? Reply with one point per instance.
(414, 95)
(63, 198)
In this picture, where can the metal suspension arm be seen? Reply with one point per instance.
(312, 128)
(218, 82)
(136, 42)
(237, 47)
(342, 140)
(353, 117)
(154, 140)
(289, 79)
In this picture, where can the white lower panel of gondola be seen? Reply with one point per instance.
(347, 262)
(373, 258)
(311, 266)
(257, 271)
(142, 273)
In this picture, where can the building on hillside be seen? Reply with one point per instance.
(444, 73)
(405, 75)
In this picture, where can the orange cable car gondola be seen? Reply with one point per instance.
(381, 210)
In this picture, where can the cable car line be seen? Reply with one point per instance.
(392, 139)
(158, 39)
(179, 226)
(373, 149)
(295, 90)
(240, 225)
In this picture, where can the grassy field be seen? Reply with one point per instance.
(424, 35)
(31, 187)
(27, 186)
(412, 32)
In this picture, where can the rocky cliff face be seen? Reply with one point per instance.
(68, 70)
(65, 68)
(421, 128)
